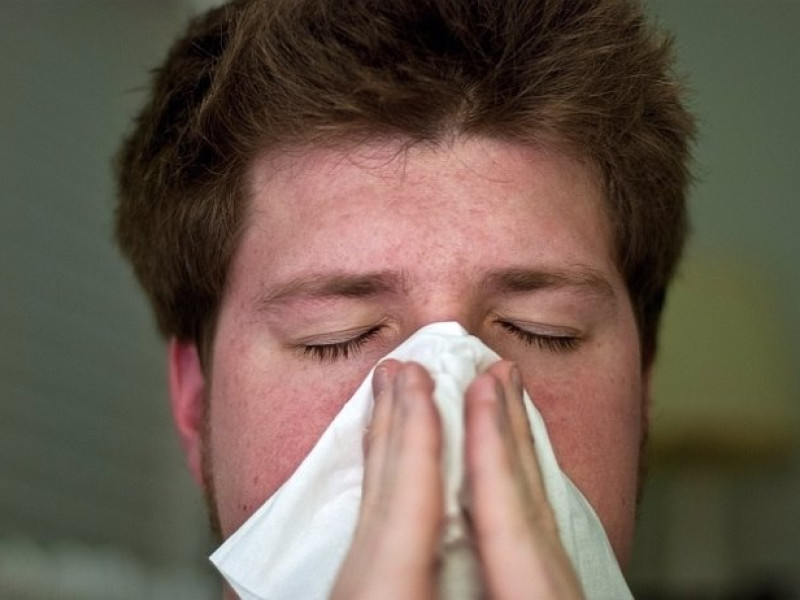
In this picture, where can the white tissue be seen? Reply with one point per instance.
(293, 545)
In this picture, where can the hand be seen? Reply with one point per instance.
(514, 525)
(394, 551)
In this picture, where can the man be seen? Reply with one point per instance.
(313, 181)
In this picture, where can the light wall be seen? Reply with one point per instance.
(741, 59)
(89, 467)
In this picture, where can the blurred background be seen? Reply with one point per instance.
(94, 499)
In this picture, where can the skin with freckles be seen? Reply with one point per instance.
(348, 251)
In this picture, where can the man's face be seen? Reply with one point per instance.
(348, 252)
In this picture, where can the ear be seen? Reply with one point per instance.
(187, 390)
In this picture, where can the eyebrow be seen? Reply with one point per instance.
(582, 278)
(320, 286)
(317, 286)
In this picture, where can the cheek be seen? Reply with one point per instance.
(594, 423)
(265, 418)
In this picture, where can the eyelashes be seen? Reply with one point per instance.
(330, 353)
(553, 343)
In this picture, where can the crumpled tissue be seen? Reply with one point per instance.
(294, 544)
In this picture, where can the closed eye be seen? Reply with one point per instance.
(559, 342)
(334, 351)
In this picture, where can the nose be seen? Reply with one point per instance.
(447, 307)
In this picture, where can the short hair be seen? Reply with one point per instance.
(590, 78)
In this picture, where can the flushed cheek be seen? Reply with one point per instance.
(263, 426)
(595, 429)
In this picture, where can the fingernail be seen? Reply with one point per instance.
(516, 378)
(380, 379)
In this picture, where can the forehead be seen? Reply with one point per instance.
(315, 175)
(386, 201)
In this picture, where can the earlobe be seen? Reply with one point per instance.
(187, 388)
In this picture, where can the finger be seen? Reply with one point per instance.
(520, 558)
(530, 477)
(413, 470)
(393, 554)
(507, 375)
(376, 438)
(491, 459)
(402, 477)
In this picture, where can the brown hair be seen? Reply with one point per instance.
(588, 77)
